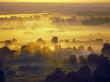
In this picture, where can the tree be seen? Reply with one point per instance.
(75, 50)
(102, 72)
(90, 50)
(106, 49)
(82, 60)
(93, 59)
(6, 52)
(81, 50)
(24, 52)
(84, 74)
(40, 40)
(72, 77)
(72, 60)
(57, 76)
(2, 74)
(54, 39)
(74, 40)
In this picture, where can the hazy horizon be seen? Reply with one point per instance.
(56, 1)
(28, 7)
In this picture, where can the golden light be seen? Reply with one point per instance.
(55, 1)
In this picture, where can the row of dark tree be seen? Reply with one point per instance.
(84, 21)
(19, 18)
(60, 21)
(96, 21)
(30, 52)
(84, 74)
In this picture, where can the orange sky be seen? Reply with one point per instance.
(55, 1)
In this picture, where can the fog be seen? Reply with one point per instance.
(27, 28)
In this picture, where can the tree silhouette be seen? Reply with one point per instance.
(90, 50)
(84, 74)
(54, 39)
(40, 40)
(72, 60)
(57, 76)
(72, 77)
(2, 74)
(82, 60)
(102, 72)
(106, 49)
(6, 52)
(92, 59)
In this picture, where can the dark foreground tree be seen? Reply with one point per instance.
(72, 77)
(106, 49)
(57, 76)
(82, 60)
(72, 60)
(2, 74)
(6, 52)
(93, 59)
(84, 74)
(102, 72)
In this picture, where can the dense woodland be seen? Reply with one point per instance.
(33, 59)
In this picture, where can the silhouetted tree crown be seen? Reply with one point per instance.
(2, 74)
(57, 76)
(54, 39)
(82, 60)
(106, 49)
(72, 77)
(84, 74)
(102, 72)
(92, 59)
(72, 59)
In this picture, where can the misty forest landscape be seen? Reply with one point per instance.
(54, 41)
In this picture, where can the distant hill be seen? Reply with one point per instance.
(23, 7)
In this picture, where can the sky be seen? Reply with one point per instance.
(72, 1)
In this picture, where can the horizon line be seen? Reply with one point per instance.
(55, 2)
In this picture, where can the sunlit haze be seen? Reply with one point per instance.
(54, 40)
(74, 1)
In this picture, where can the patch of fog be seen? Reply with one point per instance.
(30, 30)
